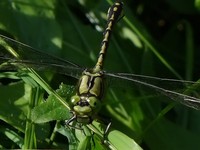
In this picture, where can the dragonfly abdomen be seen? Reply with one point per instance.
(113, 15)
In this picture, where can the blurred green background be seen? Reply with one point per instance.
(157, 38)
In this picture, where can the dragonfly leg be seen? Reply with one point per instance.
(93, 138)
(67, 122)
(73, 118)
(106, 121)
(107, 129)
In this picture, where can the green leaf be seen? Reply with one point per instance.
(14, 104)
(197, 4)
(85, 143)
(122, 141)
(13, 136)
(52, 109)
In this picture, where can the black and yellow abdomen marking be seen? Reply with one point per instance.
(113, 15)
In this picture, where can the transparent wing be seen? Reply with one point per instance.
(185, 92)
(16, 53)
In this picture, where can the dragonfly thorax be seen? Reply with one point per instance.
(86, 102)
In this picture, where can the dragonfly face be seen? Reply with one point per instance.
(87, 100)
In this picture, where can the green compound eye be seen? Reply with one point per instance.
(93, 101)
(75, 99)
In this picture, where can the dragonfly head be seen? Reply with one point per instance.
(85, 108)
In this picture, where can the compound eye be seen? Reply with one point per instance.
(75, 99)
(93, 101)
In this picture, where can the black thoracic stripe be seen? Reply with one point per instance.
(91, 82)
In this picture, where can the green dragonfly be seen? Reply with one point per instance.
(91, 81)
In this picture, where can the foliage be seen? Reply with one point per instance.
(157, 38)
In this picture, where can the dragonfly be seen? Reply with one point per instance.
(87, 100)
